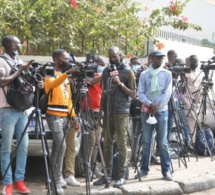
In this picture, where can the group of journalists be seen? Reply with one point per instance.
(110, 94)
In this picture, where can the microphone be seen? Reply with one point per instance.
(113, 70)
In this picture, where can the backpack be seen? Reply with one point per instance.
(204, 142)
(43, 100)
(135, 107)
(20, 92)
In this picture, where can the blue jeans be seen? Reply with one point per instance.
(161, 138)
(13, 122)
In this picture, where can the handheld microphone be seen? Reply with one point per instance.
(113, 70)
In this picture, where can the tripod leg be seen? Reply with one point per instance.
(45, 154)
(133, 150)
(102, 159)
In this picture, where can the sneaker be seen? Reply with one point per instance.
(71, 181)
(167, 176)
(59, 189)
(21, 187)
(119, 182)
(7, 189)
(142, 174)
(102, 181)
(98, 173)
(91, 175)
(63, 182)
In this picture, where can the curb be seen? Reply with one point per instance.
(197, 184)
(169, 188)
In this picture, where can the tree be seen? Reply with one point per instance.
(86, 26)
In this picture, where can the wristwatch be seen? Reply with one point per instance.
(122, 84)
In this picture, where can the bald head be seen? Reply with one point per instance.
(99, 60)
(114, 55)
(8, 40)
(12, 45)
(114, 49)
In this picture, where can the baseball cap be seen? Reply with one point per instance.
(157, 53)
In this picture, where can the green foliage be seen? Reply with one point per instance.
(93, 27)
(170, 16)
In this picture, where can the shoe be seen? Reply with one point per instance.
(7, 189)
(167, 176)
(21, 187)
(154, 161)
(59, 189)
(101, 181)
(98, 173)
(190, 148)
(142, 174)
(119, 182)
(71, 181)
(91, 175)
(63, 182)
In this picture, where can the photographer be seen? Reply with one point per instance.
(193, 86)
(59, 110)
(118, 84)
(12, 120)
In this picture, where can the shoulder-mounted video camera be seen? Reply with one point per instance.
(208, 65)
(86, 68)
(38, 71)
(179, 69)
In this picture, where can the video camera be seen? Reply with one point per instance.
(179, 68)
(208, 65)
(38, 71)
(86, 68)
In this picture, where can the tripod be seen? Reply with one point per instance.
(85, 118)
(39, 127)
(177, 106)
(205, 87)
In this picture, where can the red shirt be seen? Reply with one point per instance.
(94, 94)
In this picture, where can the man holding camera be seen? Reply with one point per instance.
(154, 91)
(13, 121)
(118, 84)
(59, 111)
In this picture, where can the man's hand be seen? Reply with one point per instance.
(25, 66)
(154, 108)
(75, 123)
(73, 70)
(116, 80)
(40, 84)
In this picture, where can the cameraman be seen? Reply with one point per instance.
(193, 84)
(59, 110)
(12, 120)
(118, 84)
